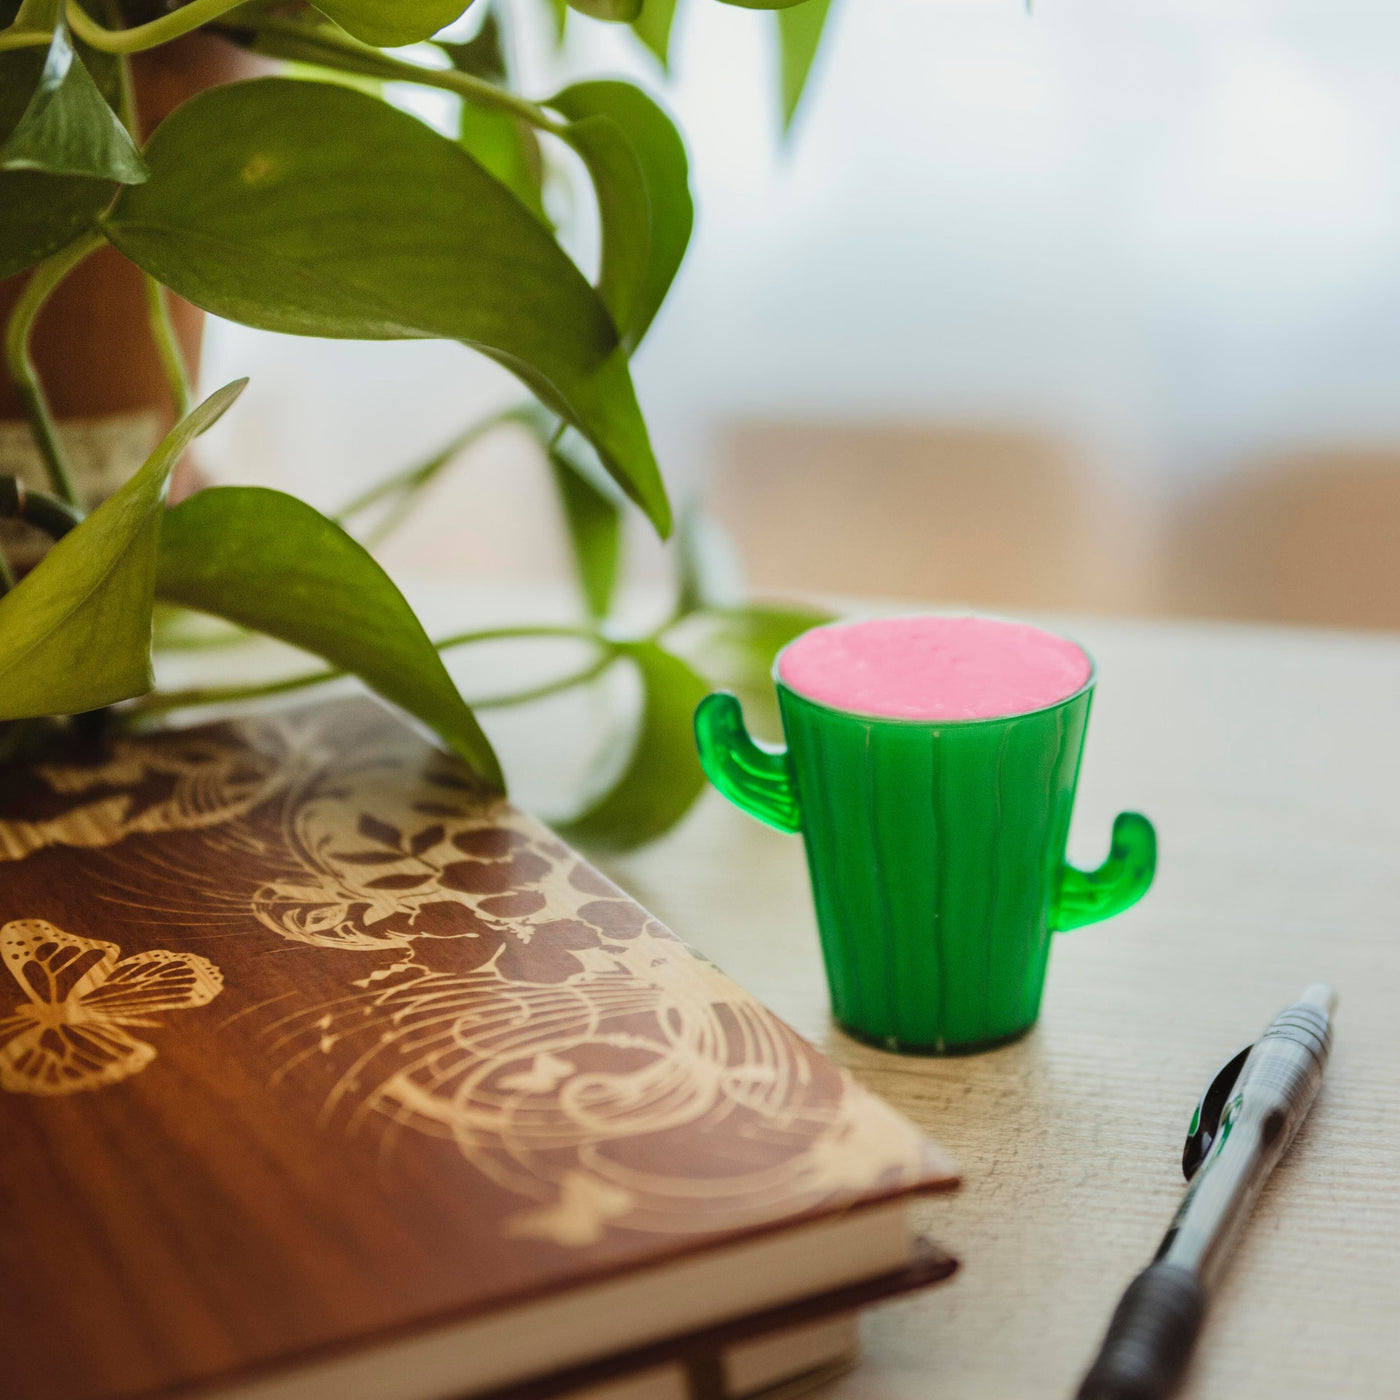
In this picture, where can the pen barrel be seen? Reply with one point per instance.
(1150, 1337)
(1149, 1340)
(1275, 1089)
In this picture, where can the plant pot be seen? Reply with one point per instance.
(92, 343)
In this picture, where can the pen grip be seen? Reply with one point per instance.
(1150, 1338)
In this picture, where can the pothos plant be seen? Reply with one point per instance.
(304, 202)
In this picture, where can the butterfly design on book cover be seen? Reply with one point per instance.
(74, 1030)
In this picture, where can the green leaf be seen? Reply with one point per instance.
(67, 128)
(482, 54)
(623, 211)
(638, 165)
(799, 36)
(508, 149)
(662, 777)
(559, 13)
(270, 562)
(75, 634)
(41, 213)
(35, 16)
(594, 523)
(503, 143)
(614, 11)
(389, 24)
(765, 4)
(314, 210)
(653, 28)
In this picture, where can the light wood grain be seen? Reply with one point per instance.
(1269, 761)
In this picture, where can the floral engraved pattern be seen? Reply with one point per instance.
(72, 1032)
(387, 863)
(614, 1097)
(540, 1019)
(184, 783)
(499, 995)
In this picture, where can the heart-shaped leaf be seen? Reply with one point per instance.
(509, 150)
(653, 28)
(270, 562)
(41, 213)
(311, 209)
(638, 165)
(799, 36)
(75, 634)
(662, 777)
(624, 211)
(67, 128)
(502, 142)
(390, 24)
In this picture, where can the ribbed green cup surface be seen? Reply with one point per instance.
(934, 850)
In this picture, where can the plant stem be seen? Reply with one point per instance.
(31, 26)
(167, 346)
(126, 88)
(13, 38)
(326, 48)
(158, 701)
(410, 480)
(541, 692)
(42, 282)
(150, 35)
(511, 634)
(47, 513)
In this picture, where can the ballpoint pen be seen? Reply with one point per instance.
(1242, 1126)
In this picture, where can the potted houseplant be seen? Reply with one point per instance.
(301, 201)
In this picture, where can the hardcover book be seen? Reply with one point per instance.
(324, 1072)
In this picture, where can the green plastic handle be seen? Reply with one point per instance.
(1086, 896)
(758, 779)
(753, 776)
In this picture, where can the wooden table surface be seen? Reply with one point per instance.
(1269, 760)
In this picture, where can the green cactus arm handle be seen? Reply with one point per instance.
(1086, 896)
(751, 775)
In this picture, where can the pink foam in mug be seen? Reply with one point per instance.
(934, 668)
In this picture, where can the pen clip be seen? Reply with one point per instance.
(1205, 1122)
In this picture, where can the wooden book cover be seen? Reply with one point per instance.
(308, 1044)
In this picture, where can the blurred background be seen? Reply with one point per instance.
(1089, 308)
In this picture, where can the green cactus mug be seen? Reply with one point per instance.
(935, 847)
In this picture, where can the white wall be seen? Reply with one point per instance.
(1168, 228)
